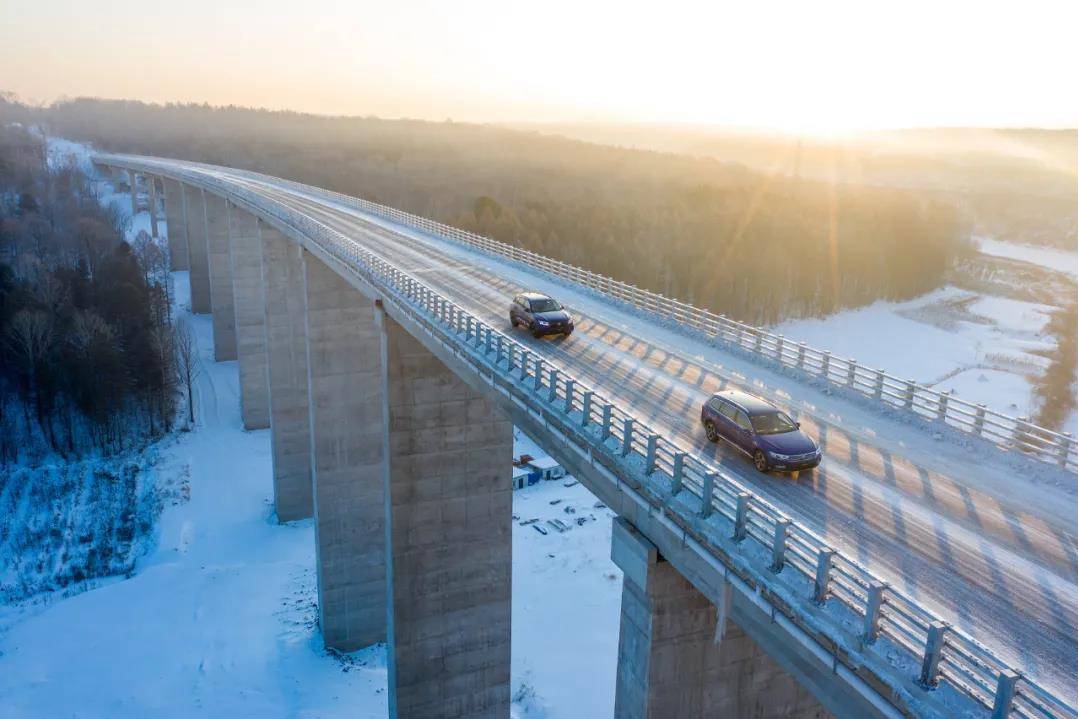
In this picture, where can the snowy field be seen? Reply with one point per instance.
(220, 619)
(1050, 257)
(981, 347)
(984, 348)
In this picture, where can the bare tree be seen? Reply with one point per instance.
(30, 335)
(187, 366)
(162, 344)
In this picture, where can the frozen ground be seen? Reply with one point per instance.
(1050, 257)
(984, 348)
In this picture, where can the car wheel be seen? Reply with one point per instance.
(760, 461)
(535, 333)
(710, 431)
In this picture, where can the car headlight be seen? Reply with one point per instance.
(542, 322)
(777, 455)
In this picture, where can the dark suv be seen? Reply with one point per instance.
(540, 314)
(759, 429)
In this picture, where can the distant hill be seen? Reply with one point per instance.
(754, 245)
(1018, 184)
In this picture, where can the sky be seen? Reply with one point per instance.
(821, 66)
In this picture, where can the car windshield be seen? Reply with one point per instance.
(545, 305)
(772, 423)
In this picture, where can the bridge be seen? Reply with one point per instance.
(374, 346)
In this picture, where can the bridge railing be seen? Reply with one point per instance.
(782, 555)
(894, 392)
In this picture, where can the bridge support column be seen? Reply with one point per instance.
(347, 458)
(196, 238)
(132, 180)
(249, 299)
(449, 512)
(175, 225)
(286, 355)
(669, 664)
(153, 205)
(219, 262)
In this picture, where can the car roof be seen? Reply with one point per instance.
(535, 296)
(748, 402)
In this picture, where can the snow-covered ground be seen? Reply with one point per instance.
(985, 348)
(982, 347)
(1050, 257)
(220, 619)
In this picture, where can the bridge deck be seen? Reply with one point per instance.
(968, 531)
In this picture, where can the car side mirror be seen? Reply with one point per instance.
(797, 424)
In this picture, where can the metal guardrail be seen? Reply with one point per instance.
(673, 475)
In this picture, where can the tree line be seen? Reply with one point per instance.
(85, 319)
(756, 246)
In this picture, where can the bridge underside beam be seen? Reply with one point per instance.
(347, 458)
(220, 267)
(249, 298)
(449, 512)
(176, 225)
(670, 660)
(196, 238)
(286, 355)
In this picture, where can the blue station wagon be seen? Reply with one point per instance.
(759, 429)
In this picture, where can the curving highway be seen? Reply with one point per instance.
(984, 539)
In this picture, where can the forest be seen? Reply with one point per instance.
(87, 365)
(757, 246)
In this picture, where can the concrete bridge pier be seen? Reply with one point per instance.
(196, 247)
(347, 458)
(176, 224)
(219, 263)
(249, 299)
(286, 355)
(132, 181)
(448, 509)
(670, 661)
(153, 205)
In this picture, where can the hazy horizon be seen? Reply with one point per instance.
(825, 69)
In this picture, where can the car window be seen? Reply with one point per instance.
(715, 404)
(773, 423)
(727, 410)
(742, 420)
(519, 300)
(545, 305)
